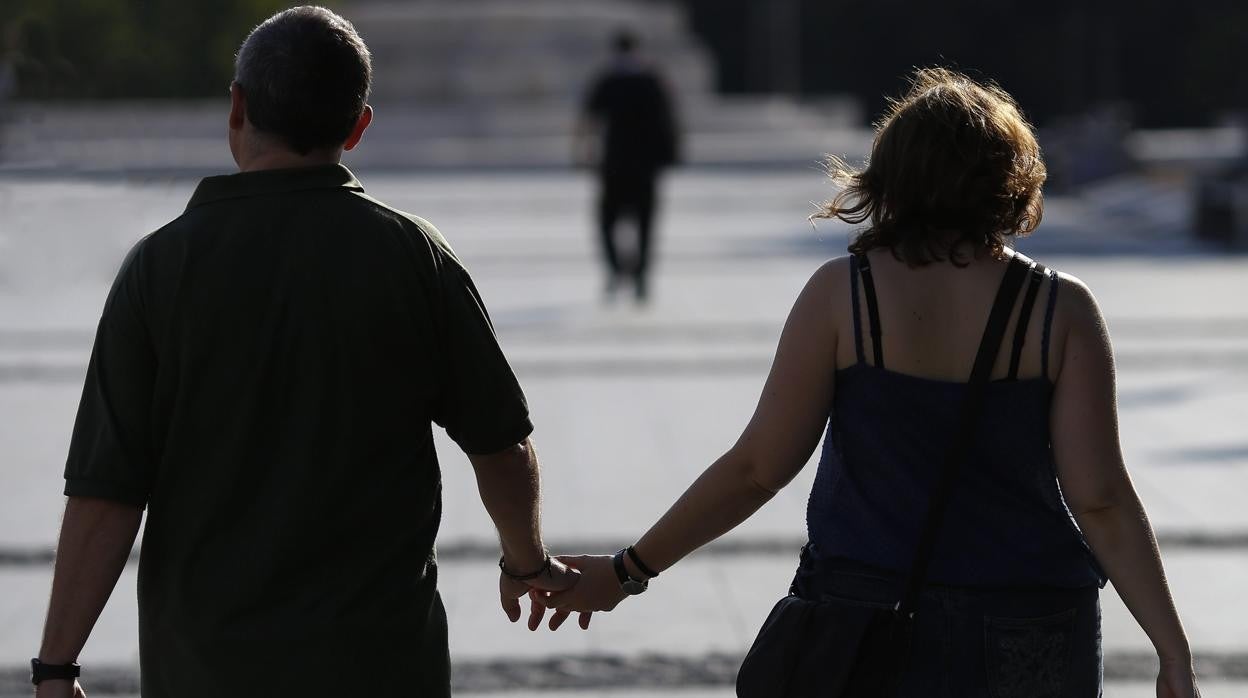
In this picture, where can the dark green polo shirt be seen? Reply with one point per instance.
(264, 379)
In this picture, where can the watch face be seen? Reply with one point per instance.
(633, 587)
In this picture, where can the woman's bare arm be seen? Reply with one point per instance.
(774, 446)
(1094, 477)
(779, 439)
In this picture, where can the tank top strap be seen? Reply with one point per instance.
(1035, 277)
(1048, 324)
(873, 312)
(853, 294)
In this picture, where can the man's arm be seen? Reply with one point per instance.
(510, 485)
(96, 538)
(587, 130)
(669, 124)
(483, 410)
(585, 136)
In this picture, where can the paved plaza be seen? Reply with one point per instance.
(630, 403)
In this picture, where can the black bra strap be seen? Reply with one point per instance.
(964, 435)
(873, 310)
(1024, 317)
(1048, 324)
(853, 294)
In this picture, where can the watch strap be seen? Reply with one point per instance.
(628, 585)
(631, 551)
(621, 572)
(40, 672)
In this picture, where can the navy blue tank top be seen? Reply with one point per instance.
(1006, 525)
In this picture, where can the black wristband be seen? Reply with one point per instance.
(544, 569)
(628, 585)
(645, 569)
(40, 672)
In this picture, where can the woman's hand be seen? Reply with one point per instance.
(597, 590)
(1177, 679)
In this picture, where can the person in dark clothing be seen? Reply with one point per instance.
(264, 379)
(630, 110)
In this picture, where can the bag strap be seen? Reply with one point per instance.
(1024, 317)
(972, 407)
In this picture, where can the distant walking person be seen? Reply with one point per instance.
(629, 111)
(264, 379)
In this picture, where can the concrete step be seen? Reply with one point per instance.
(191, 119)
(500, 49)
(188, 136)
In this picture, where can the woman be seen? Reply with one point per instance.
(878, 348)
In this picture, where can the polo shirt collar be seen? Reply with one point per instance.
(261, 182)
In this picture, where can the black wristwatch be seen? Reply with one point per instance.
(630, 586)
(40, 672)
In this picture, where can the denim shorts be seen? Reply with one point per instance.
(968, 643)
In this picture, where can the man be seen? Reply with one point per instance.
(263, 380)
(628, 107)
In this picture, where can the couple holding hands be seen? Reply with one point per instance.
(268, 367)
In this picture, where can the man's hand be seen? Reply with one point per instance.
(598, 590)
(558, 577)
(59, 688)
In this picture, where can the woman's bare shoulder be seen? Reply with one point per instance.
(825, 292)
(1076, 304)
(1077, 316)
(832, 272)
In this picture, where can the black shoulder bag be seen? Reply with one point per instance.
(830, 648)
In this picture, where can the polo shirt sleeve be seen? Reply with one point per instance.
(110, 453)
(480, 405)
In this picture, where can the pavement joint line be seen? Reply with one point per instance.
(1141, 328)
(1233, 541)
(609, 671)
(608, 367)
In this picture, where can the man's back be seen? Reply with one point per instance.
(291, 340)
(635, 109)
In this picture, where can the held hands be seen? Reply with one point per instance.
(576, 583)
(598, 590)
(554, 576)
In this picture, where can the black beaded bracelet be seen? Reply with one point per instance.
(544, 569)
(645, 569)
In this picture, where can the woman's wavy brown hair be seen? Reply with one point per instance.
(953, 162)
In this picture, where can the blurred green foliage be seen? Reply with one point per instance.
(126, 48)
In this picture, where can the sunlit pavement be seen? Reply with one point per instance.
(632, 402)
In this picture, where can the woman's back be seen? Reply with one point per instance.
(955, 173)
(932, 318)
(894, 415)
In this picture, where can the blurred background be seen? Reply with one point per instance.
(111, 110)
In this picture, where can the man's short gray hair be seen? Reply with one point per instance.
(306, 75)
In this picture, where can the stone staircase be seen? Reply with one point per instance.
(491, 51)
(463, 84)
(499, 82)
